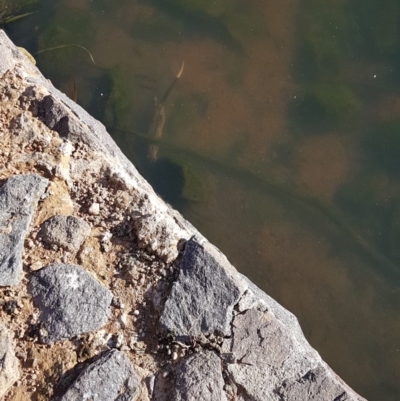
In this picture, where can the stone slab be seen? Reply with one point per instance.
(18, 199)
(109, 378)
(199, 378)
(316, 385)
(202, 298)
(70, 301)
(266, 354)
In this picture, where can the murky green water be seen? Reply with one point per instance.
(281, 143)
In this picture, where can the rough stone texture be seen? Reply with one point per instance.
(266, 354)
(69, 232)
(9, 366)
(153, 234)
(70, 301)
(165, 227)
(317, 384)
(273, 357)
(259, 339)
(84, 158)
(202, 298)
(18, 199)
(109, 378)
(57, 117)
(199, 378)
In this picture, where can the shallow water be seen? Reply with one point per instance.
(281, 144)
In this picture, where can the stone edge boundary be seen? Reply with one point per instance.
(263, 353)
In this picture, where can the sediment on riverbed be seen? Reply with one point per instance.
(107, 293)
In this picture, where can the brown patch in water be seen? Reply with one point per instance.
(322, 164)
(387, 108)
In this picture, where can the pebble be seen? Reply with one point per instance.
(136, 312)
(36, 266)
(94, 209)
(174, 356)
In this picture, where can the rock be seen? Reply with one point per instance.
(199, 377)
(50, 112)
(109, 378)
(259, 339)
(261, 330)
(18, 199)
(266, 354)
(70, 301)
(57, 117)
(94, 209)
(317, 384)
(272, 358)
(202, 298)
(159, 234)
(9, 366)
(7, 60)
(68, 232)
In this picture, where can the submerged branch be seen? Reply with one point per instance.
(14, 18)
(66, 46)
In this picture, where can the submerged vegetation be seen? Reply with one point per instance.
(188, 108)
(68, 29)
(325, 105)
(15, 10)
(332, 37)
(383, 145)
(118, 109)
(346, 59)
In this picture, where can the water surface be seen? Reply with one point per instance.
(281, 144)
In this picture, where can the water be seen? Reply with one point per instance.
(281, 144)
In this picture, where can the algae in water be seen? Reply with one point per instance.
(324, 105)
(68, 27)
(118, 111)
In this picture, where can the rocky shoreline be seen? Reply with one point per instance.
(106, 293)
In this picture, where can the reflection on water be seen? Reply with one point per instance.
(281, 144)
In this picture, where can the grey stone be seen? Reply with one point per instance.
(251, 379)
(259, 339)
(9, 365)
(283, 315)
(272, 364)
(266, 354)
(202, 298)
(7, 54)
(50, 112)
(315, 385)
(18, 199)
(68, 232)
(109, 378)
(70, 301)
(57, 117)
(199, 378)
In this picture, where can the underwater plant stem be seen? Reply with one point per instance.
(66, 46)
(16, 18)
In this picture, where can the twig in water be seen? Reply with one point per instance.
(65, 46)
(14, 18)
